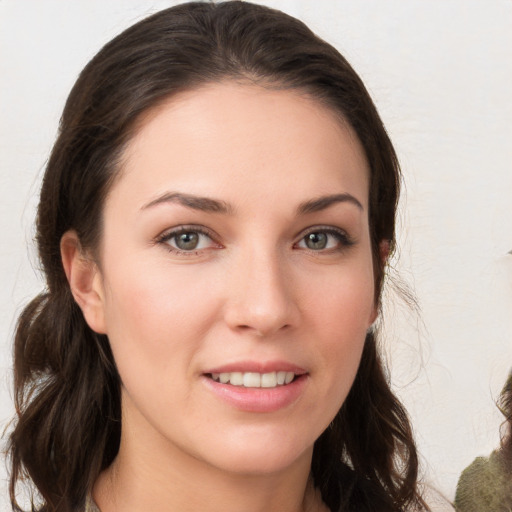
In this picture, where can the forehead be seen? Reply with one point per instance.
(228, 137)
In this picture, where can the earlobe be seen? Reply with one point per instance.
(84, 281)
(384, 250)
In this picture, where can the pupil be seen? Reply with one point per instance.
(316, 240)
(187, 241)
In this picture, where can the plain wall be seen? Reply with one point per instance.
(440, 73)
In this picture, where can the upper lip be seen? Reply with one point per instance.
(258, 367)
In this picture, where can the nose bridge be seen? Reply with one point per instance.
(262, 299)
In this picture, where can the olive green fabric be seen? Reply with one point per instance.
(484, 486)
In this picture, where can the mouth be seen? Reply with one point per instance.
(266, 391)
(254, 379)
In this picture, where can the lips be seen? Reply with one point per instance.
(257, 387)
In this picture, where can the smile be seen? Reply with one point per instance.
(253, 379)
(257, 392)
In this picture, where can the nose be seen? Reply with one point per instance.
(261, 295)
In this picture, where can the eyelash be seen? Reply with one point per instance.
(165, 237)
(344, 240)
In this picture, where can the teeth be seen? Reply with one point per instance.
(289, 377)
(269, 380)
(254, 380)
(237, 379)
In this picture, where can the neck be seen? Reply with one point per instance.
(158, 476)
(131, 484)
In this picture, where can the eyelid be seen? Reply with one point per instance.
(168, 234)
(343, 237)
(184, 228)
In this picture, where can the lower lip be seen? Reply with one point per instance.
(258, 399)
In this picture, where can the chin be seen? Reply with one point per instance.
(260, 455)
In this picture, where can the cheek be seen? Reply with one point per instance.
(154, 317)
(343, 303)
(340, 318)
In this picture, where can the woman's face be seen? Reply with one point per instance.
(236, 278)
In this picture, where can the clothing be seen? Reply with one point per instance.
(485, 486)
(90, 506)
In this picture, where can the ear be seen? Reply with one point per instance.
(84, 280)
(384, 251)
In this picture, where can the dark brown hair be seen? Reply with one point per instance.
(67, 388)
(505, 406)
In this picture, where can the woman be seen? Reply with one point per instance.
(214, 224)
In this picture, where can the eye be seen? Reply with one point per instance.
(325, 240)
(186, 239)
(316, 241)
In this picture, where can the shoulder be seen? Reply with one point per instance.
(483, 486)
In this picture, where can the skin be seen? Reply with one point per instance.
(252, 290)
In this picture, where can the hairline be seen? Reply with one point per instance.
(244, 79)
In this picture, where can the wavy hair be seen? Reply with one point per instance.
(67, 389)
(505, 406)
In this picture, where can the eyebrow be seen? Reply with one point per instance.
(324, 202)
(204, 204)
(207, 204)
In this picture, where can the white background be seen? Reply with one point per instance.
(440, 73)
